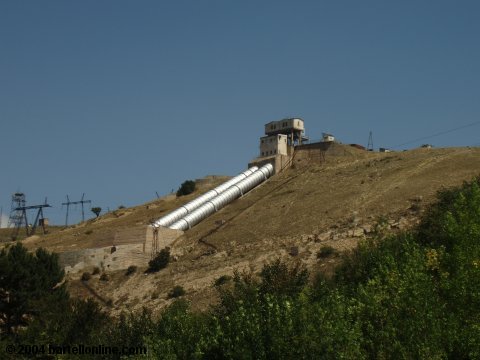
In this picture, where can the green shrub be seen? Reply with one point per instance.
(131, 269)
(186, 188)
(88, 232)
(96, 210)
(326, 251)
(160, 261)
(104, 277)
(86, 276)
(177, 291)
(281, 279)
(222, 280)
(96, 270)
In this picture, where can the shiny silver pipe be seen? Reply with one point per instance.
(183, 210)
(218, 202)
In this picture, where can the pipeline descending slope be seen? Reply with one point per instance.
(177, 214)
(218, 202)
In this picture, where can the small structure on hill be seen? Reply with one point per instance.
(328, 137)
(384, 150)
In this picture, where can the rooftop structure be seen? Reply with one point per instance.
(294, 128)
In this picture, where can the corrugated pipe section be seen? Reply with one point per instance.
(218, 202)
(177, 214)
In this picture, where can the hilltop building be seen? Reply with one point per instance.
(293, 128)
(273, 145)
(277, 146)
(328, 137)
(282, 135)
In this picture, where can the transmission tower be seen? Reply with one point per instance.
(39, 219)
(16, 216)
(370, 142)
(82, 201)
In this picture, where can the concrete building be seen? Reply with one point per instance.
(294, 128)
(273, 145)
(284, 126)
(328, 137)
(277, 146)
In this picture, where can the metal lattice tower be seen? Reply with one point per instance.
(16, 216)
(370, 142)
(39, 219)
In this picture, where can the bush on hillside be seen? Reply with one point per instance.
(177, 291)
(160, 261)
(186, 188)
(326, 251)
(131, 270)
(222, 280)
(86, 276)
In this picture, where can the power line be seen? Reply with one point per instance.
(68, 203)
(437, 134)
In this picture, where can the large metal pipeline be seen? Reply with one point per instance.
(218, 202)
(177, 214)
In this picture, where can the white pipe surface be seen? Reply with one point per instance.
(183, 210)
(226, 197)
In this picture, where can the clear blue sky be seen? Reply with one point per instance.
(119, 99)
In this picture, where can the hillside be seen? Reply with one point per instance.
(332, 199)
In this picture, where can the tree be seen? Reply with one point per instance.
(29, 284)
(96, 210)
(186, 188)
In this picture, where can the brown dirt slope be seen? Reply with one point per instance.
(335, 199)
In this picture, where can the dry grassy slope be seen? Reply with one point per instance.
(315, 203)
(311, 205)
(99, 232)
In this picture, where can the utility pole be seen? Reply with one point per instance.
(82, 201)
(1, 216)
(370, 142)
(68, 205)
